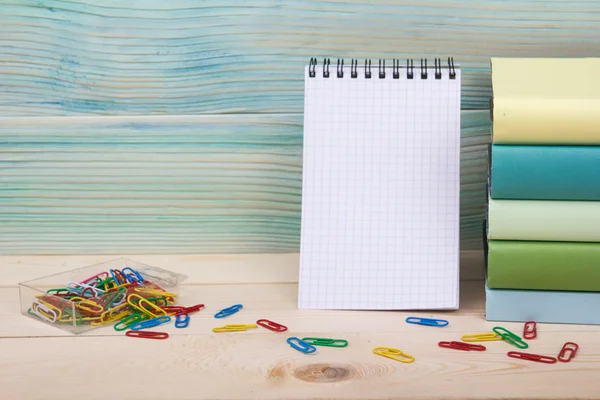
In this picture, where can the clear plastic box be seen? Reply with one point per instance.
(85, 305)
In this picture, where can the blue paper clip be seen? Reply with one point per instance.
(301, 345)
(228, 311)
(163, 319)
(427, 321)
(132, 278)
(182, 321)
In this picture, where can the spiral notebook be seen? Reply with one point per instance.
(381, 183)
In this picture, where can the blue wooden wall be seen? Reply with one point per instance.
(150, 126)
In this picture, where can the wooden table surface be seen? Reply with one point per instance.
(38, 361)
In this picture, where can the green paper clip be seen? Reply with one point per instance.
(510, 337)
(129, 320)
(326, 342)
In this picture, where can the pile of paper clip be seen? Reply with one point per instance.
(120, 297)
(566, 353)
(305, 345)
(130, 302)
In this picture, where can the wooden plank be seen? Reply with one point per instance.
(276, 301)
(264, 366)
(73, 57)
(197, 363)
(200, 269)
(174, 184)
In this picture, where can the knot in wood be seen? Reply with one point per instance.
(325, 373)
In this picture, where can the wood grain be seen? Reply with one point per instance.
(174, 184)
(73, 57)
(199, 269)
(195, 363)
(263, 366)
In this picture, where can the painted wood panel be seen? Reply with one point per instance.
(174, 184)
(60, 57)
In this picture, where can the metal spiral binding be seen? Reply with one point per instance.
(396, 67)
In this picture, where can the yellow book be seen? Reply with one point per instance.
(546, 101)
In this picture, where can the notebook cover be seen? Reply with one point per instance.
(542, 220)
(546, 100)
(545, 172)
(543, 265)
(542, 306)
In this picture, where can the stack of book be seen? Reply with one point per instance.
(543, 222)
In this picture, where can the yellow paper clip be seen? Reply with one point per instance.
(112, 315)
(155, 292)
(50, 307)
(234, 328)
(481, 337)
(394, 354)
(117, 287)
(142, 303)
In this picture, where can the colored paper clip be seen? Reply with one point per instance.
(301, 345)
(532, 357)
(510, 337)
(394, 354)
(462, 346)
(143, 303)
(569, 348)
(182, 321)
(151, 323)
(325, 342)
(134, 276)
(530, 330)
(57, 291)
(234, 328)
(90, 306)
(228, 311)
(147, 334)
(112, 298)
(126, 322)
(155, 292)
(272, 326)
(174, 310)
(481, 337)
(427, 321)
(92, 278)
(193, 309)
(45, 312)
(118, 276)
(161, 302)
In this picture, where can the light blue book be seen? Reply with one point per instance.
(510, 305)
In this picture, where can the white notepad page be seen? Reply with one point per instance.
(381, 188)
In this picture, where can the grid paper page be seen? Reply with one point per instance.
(381, 188)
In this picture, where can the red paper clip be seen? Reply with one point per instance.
(462, 346)
(532, 357)
(147, 334)
(270, 325)
(174, 310)
(530, 331)
(192, 309)
(569, 348)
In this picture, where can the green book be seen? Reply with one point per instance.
(570, 266)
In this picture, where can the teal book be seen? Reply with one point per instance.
(545, 172)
